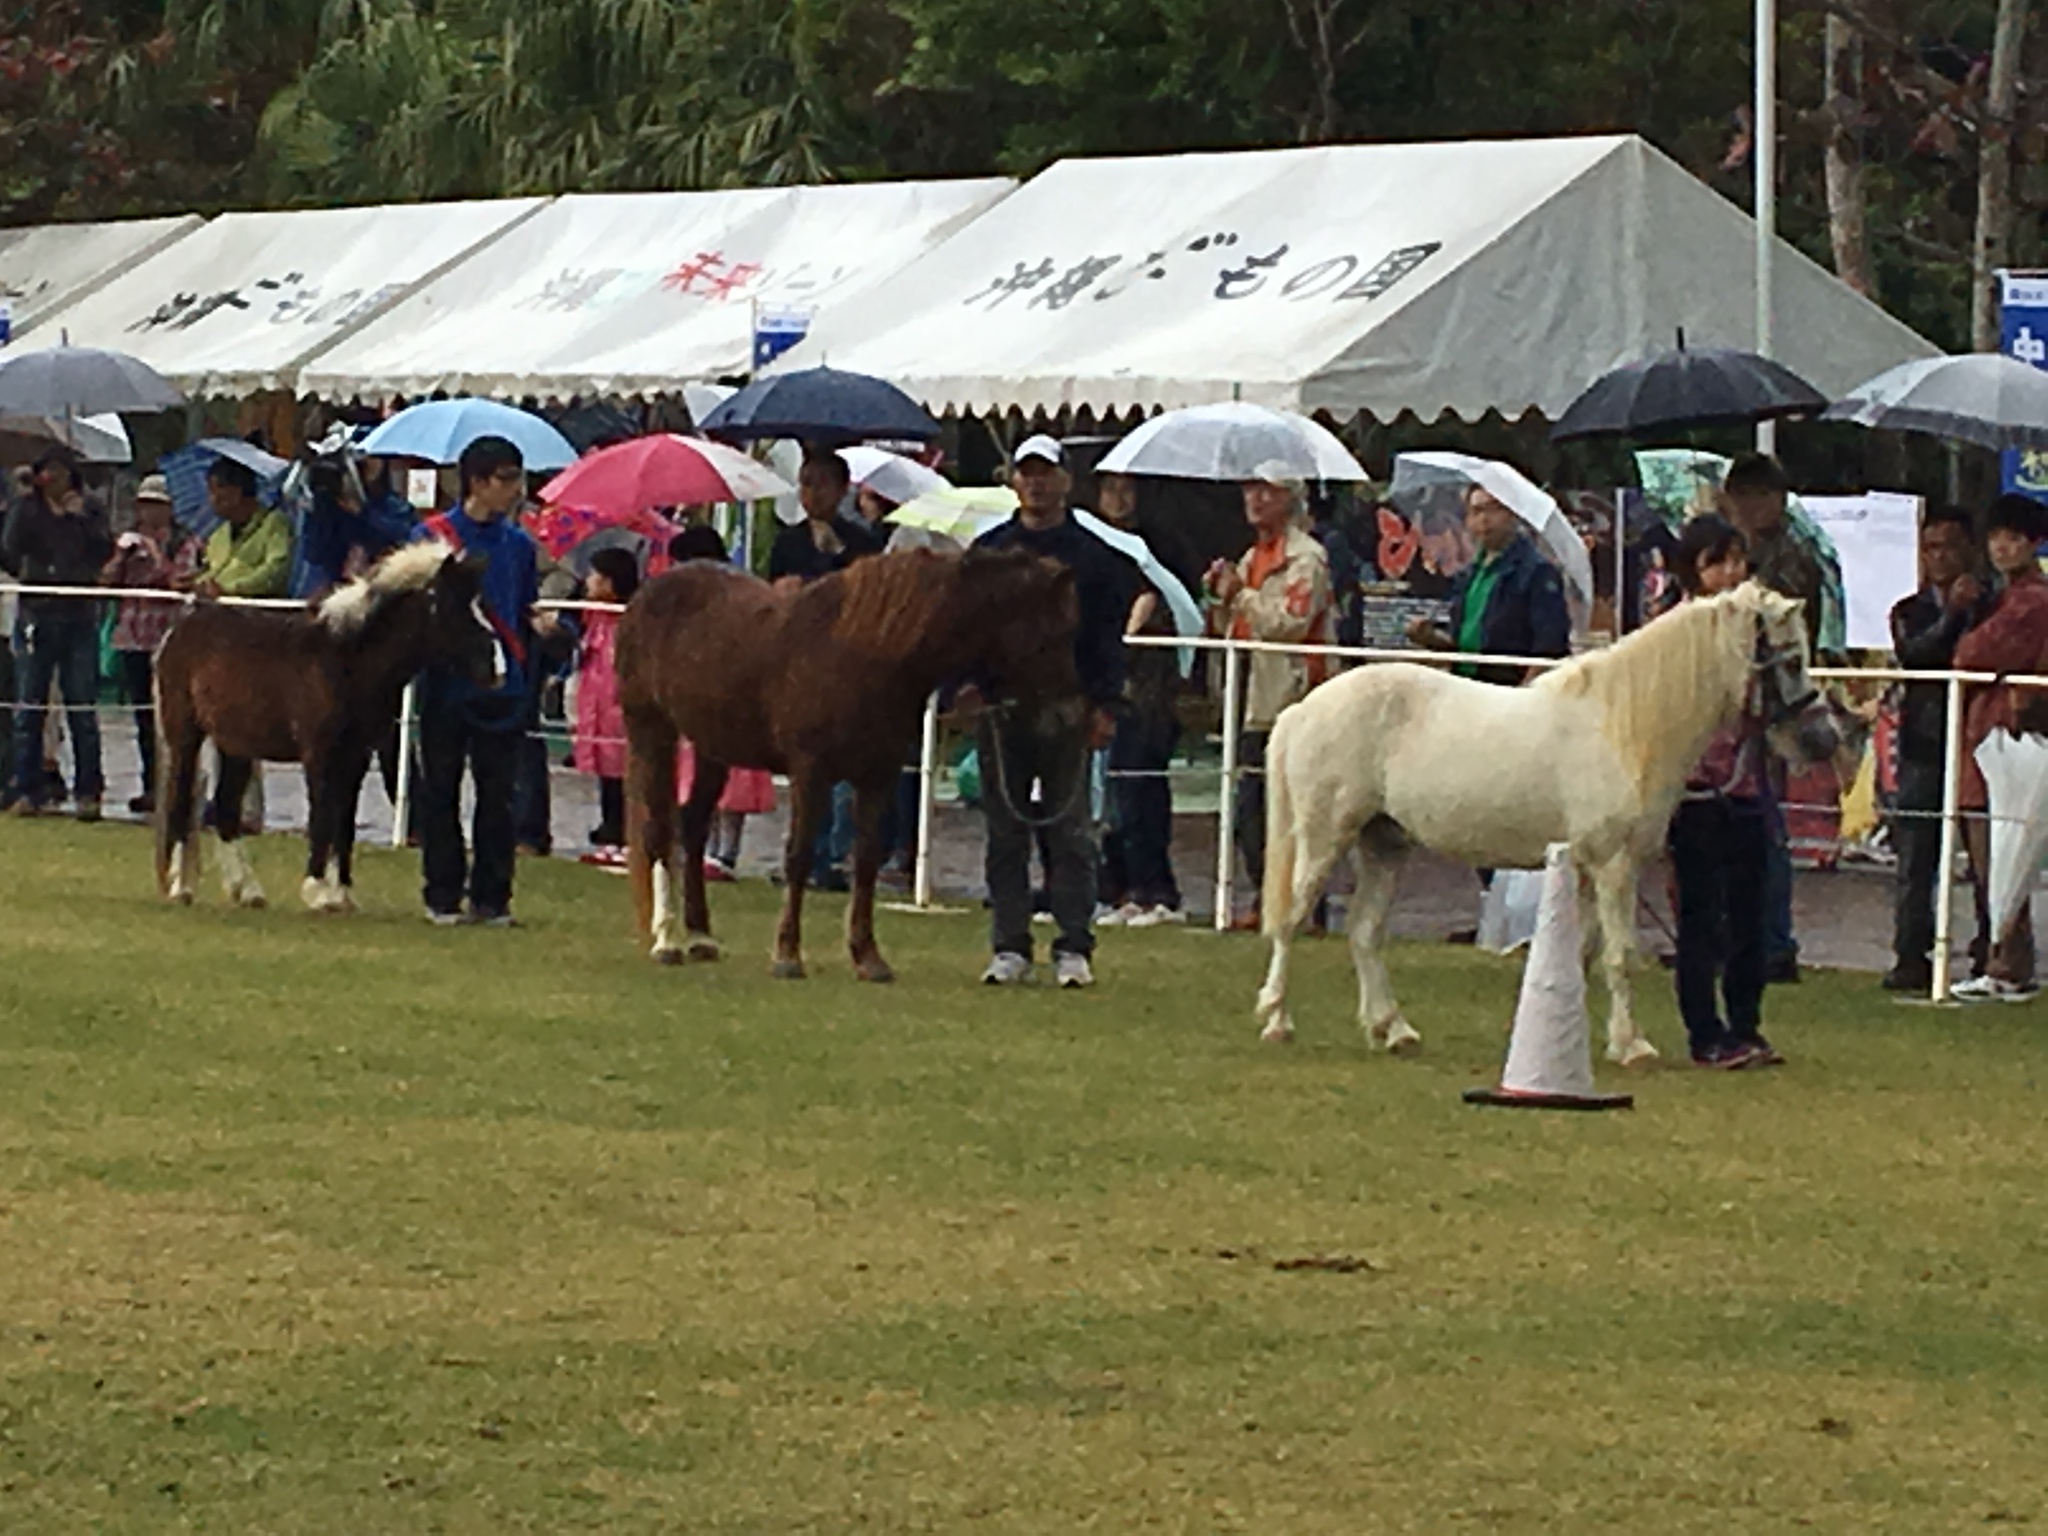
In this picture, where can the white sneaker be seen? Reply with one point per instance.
(1073, 971)
(1990, 989)
(1111, 917)
(1007, 969)
(1156, 917)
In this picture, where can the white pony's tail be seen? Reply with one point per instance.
(1276, 900)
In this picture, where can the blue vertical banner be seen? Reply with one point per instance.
(776, 330)
(2023, 334)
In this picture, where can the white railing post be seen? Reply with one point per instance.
(1226, 810)
(401, 803)
(1944, 877)
(927, 777)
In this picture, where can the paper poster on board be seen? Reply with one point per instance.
(1877, 536)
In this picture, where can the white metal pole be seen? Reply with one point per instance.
(927, 774)
(1951, 790)
(401, 805)
(1764, 157)
(1226, 811)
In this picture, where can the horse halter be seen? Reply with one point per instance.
(1772, 674)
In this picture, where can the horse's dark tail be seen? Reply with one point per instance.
(650, 808)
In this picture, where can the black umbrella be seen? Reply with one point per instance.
(820, 405)
(81, 381)
(1709, 387)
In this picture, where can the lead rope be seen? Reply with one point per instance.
(999, 777)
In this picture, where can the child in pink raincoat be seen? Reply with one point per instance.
(600, 721)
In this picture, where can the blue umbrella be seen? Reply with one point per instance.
(439, 430)
(820, 405)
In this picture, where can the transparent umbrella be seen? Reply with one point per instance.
(1429, 490)
(1232, 441)
(2016, 777)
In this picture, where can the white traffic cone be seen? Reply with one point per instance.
(1550, 1053)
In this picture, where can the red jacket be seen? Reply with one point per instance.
(2012, 638)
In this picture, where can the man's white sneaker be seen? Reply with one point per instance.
(1007, 969)
(1991, 989)
(1073, 971)
(1112, 917)
(1155, 917)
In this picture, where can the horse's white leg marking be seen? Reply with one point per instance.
(1614, 884)
(1378, 1013)
(668, 925)
(237, 879)
(1274, 1024)
(325, 892)
(181, 870)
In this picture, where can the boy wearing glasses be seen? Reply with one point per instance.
(465, 727)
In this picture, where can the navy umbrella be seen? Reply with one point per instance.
(1707, 387)
(820, 405)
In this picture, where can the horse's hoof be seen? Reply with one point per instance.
(876, 970)
(181, 898)
(787, 970)
(667, 954)
(701, 947)
(1403, 1041)
(253, 901)
(1637, 1053)
(1279, 1032)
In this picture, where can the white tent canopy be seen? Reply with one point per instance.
(46, 266)
(635, 292)
(1462, 277)
(241, 304)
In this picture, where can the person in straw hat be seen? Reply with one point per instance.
(156, 554)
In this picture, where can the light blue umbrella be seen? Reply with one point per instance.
(439, 430)
(1187, 617)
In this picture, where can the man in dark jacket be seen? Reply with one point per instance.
(55, 536)
(1508, 602)
(1925, 630)
(1050, 744)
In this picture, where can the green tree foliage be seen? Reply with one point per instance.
(137, 106)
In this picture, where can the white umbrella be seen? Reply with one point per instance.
(101, 439)
(1231, 441)
(890, 475)
(1416, 474)
(265, 464)
(1981, 397)
(2016, 776)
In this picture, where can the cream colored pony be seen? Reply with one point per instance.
(1593, 753)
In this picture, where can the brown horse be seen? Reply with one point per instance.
(827, 685)
(319, 688)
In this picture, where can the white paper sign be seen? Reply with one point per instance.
(1877, 535)
(422, 488)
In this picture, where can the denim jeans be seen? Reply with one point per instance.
(1144, 808)
(833, 846)
(138, 687)
(65, 652)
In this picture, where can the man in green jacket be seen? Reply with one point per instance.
(250, 554)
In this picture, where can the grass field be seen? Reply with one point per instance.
(356, 1226)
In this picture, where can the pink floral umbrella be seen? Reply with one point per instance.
(561, 529)
(662, 470)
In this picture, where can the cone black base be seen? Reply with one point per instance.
(1507, 1098)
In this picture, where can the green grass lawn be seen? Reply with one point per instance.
(351, 1225)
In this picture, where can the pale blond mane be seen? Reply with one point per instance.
(409, 568)
(1652, 684)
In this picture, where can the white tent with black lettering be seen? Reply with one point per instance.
(624, 293)
(46, 266)
(244, 302)
(1382, 278)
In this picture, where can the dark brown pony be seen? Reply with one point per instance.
(827, 685)
(319, 688)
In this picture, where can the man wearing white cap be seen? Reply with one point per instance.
(1050, 743)
(159, 555)
(1278, 592)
